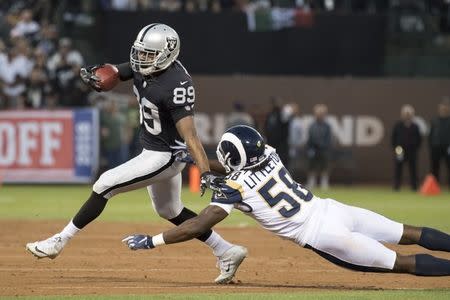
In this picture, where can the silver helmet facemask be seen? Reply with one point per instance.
(156, 47)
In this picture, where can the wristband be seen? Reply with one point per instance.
(158, 240)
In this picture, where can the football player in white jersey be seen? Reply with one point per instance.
(259, 185)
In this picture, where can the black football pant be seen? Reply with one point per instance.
(437, 154)
(411, 160)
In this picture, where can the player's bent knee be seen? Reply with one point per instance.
(99, 186)
(103, 183)
(168, 213)
(167, 208)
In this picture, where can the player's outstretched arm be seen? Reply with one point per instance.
(183, 155)
(196, 226)
(187, 131)
(216, 166)
(188, 230)
(125, 71)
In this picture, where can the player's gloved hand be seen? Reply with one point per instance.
(184, 157)
(181, 153)
(139, 241)
(88, 76)
(211, 181)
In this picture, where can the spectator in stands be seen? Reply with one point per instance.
(439, 139)
(170, 5)
(14, 70)
(405, 141)
(26, 27)
(122, 5)
(64, 67)
(276, 129)
(65, 54)
(318, 148)
(48, 39)
(7, 22)
(295, 135)
(239, 116)
(38, 84)
(23, 47)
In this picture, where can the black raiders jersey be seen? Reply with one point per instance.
(163, 99)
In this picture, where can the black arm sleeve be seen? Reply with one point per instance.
(125, 71)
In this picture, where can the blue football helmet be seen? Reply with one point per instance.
(241, 147)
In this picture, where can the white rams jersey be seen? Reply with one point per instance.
(270, 195)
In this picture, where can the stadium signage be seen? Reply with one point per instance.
(48, 146)
(359, 131)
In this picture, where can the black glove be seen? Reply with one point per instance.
(184, 157)
(211, 181)
(87, 74)
(139, 241)
(181, 153)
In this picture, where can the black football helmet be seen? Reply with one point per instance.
(241, 147)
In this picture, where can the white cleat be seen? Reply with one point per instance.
(49, 248)
(229, 262)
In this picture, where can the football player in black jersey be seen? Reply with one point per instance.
(166, 96)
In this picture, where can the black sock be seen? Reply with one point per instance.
(90, 210)
(187, 214)
(427, 265)
(434, 239)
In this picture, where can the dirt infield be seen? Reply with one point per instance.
(96, 262)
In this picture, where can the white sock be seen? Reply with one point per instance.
(69, 231)
(218, 244)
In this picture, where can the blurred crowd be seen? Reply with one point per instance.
(37, 65)
(437, 7)
(39, 69)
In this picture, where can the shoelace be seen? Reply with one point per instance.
(56, 239)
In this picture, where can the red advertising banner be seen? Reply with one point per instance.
(40, 146)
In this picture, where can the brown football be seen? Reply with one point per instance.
(109, 77)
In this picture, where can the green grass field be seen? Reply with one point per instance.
(62, 202)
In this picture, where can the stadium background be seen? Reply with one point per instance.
(364, 59)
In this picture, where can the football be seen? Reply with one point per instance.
(109, 77)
